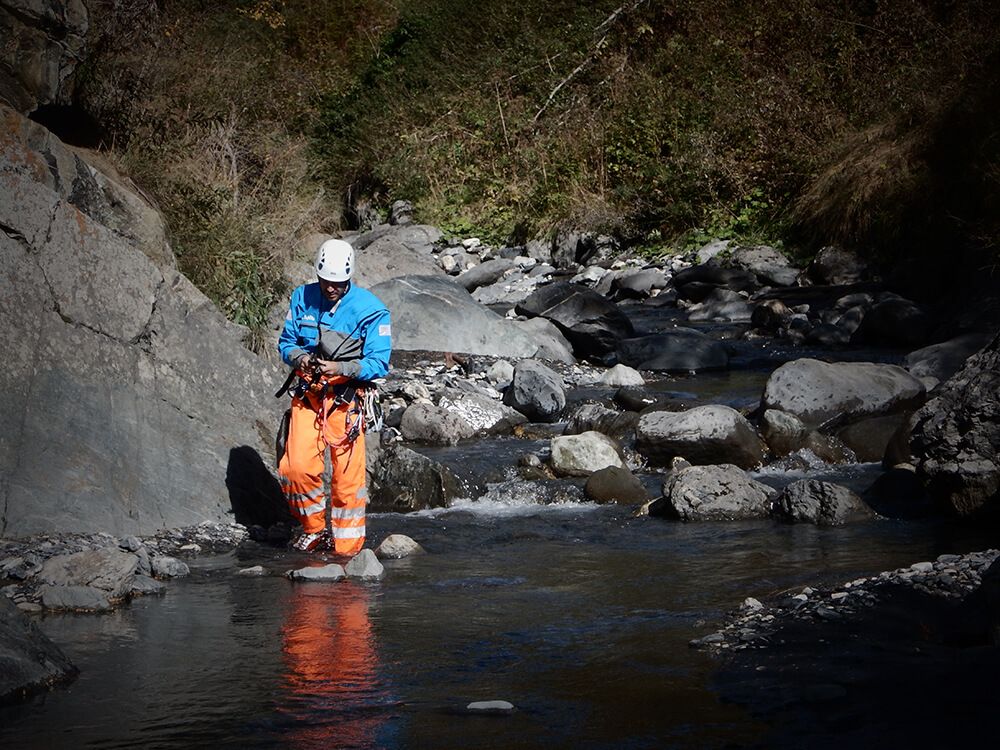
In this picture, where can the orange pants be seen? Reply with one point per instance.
(301, 472)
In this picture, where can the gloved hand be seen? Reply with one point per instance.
(328, 367)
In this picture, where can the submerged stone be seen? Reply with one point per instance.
(365, 565)
(331, 572)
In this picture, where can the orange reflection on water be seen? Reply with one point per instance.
(332, 688)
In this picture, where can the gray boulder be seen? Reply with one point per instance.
(614, 484)
(108, 569)
(481, 413)
(598, 418)
(767, 264)
(821, 503)
(677, 350)
(835, 266)
(402, 251)
(434, 313)
(817, 392)
(428, 423)
(721, 305)
(591, 323)
(704, 435)
(536, 391)
(638, 284)
(583, 454)
(141, 372)
(697, 282)
(484, 274)
(955, 441)
(365, 566)
(74, 598)
(331, 572)
(621, 375)
(941, 361)
(552, 345)
(403, 480)
(713, 493)
(165, 566)
(29, 660)
(869, 438)
(398, 546)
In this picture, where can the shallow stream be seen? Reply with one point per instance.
(579, 615)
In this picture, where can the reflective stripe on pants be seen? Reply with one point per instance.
(301, 475)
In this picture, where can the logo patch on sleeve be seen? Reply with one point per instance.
(384, 330)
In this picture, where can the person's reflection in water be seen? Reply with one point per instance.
(334, 693)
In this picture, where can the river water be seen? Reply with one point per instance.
(579, 615)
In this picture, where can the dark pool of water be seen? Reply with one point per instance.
(578, 615)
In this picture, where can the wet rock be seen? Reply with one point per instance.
(490, 707)
(428, 423)
(255, 570)
(365, 566)
(592, 323)
(615, 484)
(597, 418)
(817, 392)
(331, 572)
(107, 569)
(146, 586)
(713, 493)
(955, 440)
(703, 435)
(398, 546)
(165, 566)
(821, 503)
(29, 660)
(677, 350)
(403, 480)
(536, 391)
(621, 375)
(75, 598)
(785, 434)
(642, 400)
(583, 454)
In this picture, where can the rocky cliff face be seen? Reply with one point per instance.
(955, 440)
(127, 401)
(43, 42)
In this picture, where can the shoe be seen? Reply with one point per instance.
(309, 542)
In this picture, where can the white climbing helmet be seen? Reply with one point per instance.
(335, 261)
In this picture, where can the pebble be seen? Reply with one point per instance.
(256, 570)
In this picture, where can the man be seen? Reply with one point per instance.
(337, 336)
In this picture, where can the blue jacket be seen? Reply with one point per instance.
(356, 332)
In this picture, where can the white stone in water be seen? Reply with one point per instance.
(490, 707)
(331, 572)
(365, 565)
(620, 375)
(397, 546)
(256, 570)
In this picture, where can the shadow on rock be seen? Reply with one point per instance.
(253, 491)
